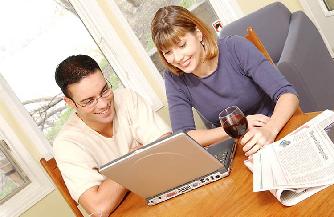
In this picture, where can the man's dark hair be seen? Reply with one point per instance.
(73, 69)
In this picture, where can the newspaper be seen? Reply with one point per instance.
(298, 165)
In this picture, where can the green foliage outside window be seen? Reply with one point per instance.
(54, 130)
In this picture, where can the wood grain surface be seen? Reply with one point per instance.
(233, 195)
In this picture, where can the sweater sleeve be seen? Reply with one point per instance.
(179, 104)
(147, 126)
(258, 68)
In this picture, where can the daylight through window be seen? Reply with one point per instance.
(34, 46)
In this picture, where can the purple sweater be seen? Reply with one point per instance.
(243, 77)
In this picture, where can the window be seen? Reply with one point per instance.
(46, 37)
(12, 178)
(327, 7)
(96, 15)
(142, 12)
(134, 16)
(22, 181)
(30, 52)
(137, 13)
(44, 111)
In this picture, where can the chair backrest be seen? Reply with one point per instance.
(272, 36)
(253, 37)
(53, 171)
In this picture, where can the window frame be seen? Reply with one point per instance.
(324, 9)
(40, 185)
(115, 51)
(309, 12)
(106, 37)
(227, 10)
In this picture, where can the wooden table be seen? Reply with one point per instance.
(233, 195)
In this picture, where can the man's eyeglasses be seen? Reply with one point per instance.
(91, 102)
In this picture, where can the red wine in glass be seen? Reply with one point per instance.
(233, 121)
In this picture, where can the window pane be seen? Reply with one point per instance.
(12, 179)
(329, 4)
(141, 12)
(49, 32)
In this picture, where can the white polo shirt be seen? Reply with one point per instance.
(79, 150)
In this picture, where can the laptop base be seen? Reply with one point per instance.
(219, 152)
(187, 187)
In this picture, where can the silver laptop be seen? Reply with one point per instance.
(169, 167)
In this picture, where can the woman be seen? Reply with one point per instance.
(210, 75)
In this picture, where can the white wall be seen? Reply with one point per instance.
(248, 6)
(326, 24)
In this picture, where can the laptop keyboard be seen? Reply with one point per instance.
(222, 151)
(222, 157)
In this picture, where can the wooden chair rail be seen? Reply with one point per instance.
(53, 171)
(255, 39)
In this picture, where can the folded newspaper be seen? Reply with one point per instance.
(298, 165)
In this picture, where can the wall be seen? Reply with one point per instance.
(248, 6)
(142, 65)
(326, 24)
(245, 5)
(53, 205)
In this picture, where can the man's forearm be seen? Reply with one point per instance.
(103, 199)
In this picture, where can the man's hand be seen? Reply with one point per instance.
(135, 147)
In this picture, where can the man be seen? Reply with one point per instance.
(105, 126)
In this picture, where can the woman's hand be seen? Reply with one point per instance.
(135, 147)
(257, 120)
(256, 138)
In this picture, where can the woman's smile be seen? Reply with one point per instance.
(185, 63)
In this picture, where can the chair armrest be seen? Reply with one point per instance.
(303, 39)
(295, 77)
(307, 64)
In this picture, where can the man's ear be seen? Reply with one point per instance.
(69, 102)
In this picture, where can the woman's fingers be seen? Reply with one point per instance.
(263, 118)
(259, 123)
(256, 146)
(249, 145)
(257, 120)
(253, 150)
(246, 137)
(253, 140)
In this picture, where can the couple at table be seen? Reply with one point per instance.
(203, 72)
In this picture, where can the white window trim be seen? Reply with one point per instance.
(40, 185)
(119, 56)
(128, 71)
(21, 115)
(310, 14)
(226, 10)
(324, 9)
(114, 50)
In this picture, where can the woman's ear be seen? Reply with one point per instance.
(199, 35)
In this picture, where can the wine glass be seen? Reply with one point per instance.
(233, 121)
